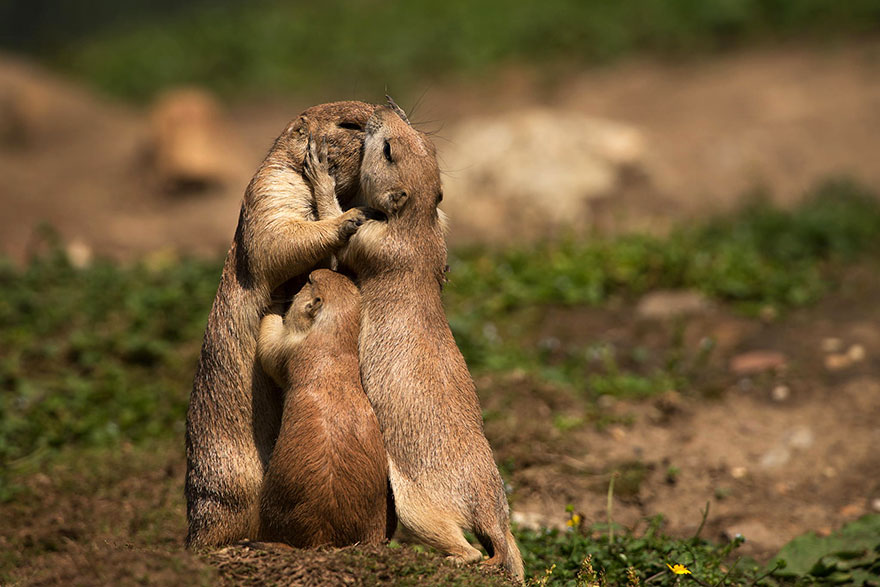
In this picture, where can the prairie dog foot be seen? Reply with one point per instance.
(465, 558)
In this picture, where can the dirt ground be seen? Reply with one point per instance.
(776, 452)
(789, 448)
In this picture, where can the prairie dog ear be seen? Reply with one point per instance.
(314, 306)
(397, 109)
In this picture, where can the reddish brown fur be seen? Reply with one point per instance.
(441, 467)
(327, 481)
(235, 408)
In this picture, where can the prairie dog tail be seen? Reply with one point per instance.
(501, 543)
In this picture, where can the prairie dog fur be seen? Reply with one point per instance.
(235, 408)
(441, 468)
(327, 480)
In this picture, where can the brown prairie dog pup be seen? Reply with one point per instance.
(327, 481)
(441, 468)
(235, 408)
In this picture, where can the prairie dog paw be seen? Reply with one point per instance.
(395, 200)
(316, 167)
(350, 221)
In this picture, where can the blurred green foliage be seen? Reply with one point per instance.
(363, 45)
(95, 356)
(106, 353)
(757, 258)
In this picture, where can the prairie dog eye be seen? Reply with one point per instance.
(387, 151)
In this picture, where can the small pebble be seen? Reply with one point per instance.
(829, 472)
(852, 510)
(856, 353)
(837, 361)
(801, 438)
(875, 504)
(79, 254)
(738, 472)
(831, 345)
(780, 393)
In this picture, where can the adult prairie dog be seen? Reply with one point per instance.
(441, 468)
(235, 408)
(327, 481)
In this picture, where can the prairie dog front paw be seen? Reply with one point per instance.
(350, 221)
(316, 172)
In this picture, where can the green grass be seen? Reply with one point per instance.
(594, 557)
(97, 356)
(354, 46)
(760, 258)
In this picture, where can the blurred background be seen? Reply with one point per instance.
(664, 250)
(133, 125)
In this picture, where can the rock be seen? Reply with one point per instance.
(667, 304)
(856, 353)
(831, 345)
(527, 174)
(837, 362)
(754, 362)
(754, 532)
(853, 510)
(775, 457)
(190, 143)
(800, 438)
(738, 472)
(875, 504)
(79, 253)
(533, 520)
(780, 393)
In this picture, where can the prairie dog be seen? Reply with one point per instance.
(327, 481)
(235, 408)
(441, 468)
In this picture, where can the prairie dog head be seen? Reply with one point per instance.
(323, 301)
(341, 125)
(399, 173)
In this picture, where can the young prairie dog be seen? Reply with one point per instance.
(235, 409)
(327, 481)
(441, 468)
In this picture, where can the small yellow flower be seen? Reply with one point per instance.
(574, 521)
(678, 569)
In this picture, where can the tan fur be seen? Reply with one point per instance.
(327, 481)
(235, 408)
(441, 467)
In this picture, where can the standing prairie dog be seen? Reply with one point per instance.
(327, 481)
(441, 468)
(235, 408)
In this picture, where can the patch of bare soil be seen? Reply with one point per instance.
(119, 519)
(776, 452)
